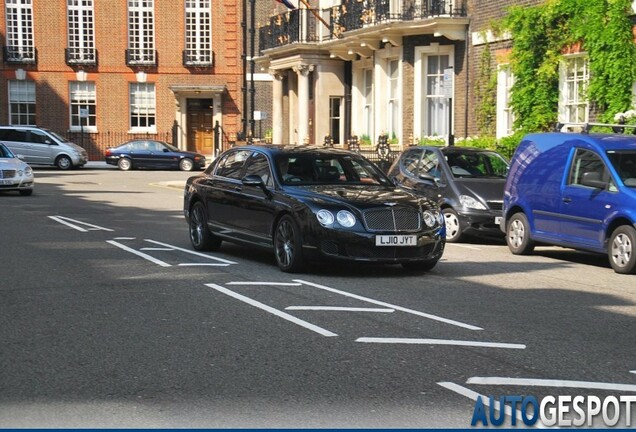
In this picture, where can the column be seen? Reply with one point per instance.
(303, 102)
(277, 107)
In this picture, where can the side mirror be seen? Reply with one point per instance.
(256, 181)
(20, 156)
(593, 179)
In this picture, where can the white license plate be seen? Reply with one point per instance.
(6, 182)
(395, 240)
(498, 220)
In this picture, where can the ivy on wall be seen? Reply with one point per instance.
(540, 35)
(486, 95)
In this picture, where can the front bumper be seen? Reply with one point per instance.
(481, 223)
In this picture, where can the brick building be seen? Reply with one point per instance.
(103, 72)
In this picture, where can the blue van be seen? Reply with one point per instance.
(576, 190)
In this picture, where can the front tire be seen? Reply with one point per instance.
(453, 227)
(124, 164)
(186, 164)
(518, 235)
(200, 236)
(288, 246)
(622, 250)
(64, 162)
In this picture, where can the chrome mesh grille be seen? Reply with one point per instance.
(393, 219)
(7, 174)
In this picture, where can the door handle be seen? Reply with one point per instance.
(238, 189)
(567, 200)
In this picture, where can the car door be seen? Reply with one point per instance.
(140, 154)
(583, 208)
(161, 156)
(43, 148)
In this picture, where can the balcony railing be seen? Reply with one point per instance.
(20, 55)
(302, 25)
(198, 58)
(141, 57)
(81, 56)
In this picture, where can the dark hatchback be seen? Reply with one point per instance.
(468, 183)
(308, 203)
(153, 154)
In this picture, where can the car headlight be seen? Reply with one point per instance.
(432, 218)
(346, 218)
(470, 202)
(325, 217)
(28, 171)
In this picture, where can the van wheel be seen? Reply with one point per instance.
(518, 235)
(124, 164)
(63, 162)
(622, 250)
(453, 228)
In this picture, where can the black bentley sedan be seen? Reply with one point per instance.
(308, 203)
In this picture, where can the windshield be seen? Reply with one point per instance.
(5, 152)
(624, 163)
(477, 164)
(56, 135)
(170, 146)
(327, 168)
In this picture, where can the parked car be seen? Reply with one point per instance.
(15, 175)
(40, 146)
(144, 153)
(575, 190)
(307, 203)
(468, 182)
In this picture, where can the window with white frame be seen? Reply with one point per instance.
(19, 33)
(436, 109)
(141, 32)
(575, 77)
(22, 102)
(142, 107)
(394, 98)
(367, 103)
(83, 105)
(198, 32)
(505, 117)
(81, 31)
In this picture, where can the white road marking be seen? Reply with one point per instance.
(203, 265)
(191, 252)
(551, 383)
(124, 238)
(388, 305)
(486, 400)
(338, 309)
(67, 221)
(141, 254)
(440, 342)
(634, 371)
(273, 311)
(265, 283)
(156, 249)
(465, 246)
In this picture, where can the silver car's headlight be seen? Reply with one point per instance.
(325, 217)
(346, 218)
(28, 171)
(471, 203)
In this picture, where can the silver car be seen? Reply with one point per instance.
(15, 175)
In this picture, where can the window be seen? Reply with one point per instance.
(258, 165)
(141, 32)
(394, 99)
(335, 112)
(232, 163)
(367, 100)
(81, 31)
(198, 32)
(82, 99)
(19, 38)
(573, 104)
(22, 103)
(437, 103)
(586, 162)
(505, 118)
(142, 107)
(411, 161)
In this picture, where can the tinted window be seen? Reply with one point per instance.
(585, 161)
(625, 165)
(259, 166)
(231, 165)
(14, 135)
(38, 137)
(410, 161)
(477, 164)
(430, 164)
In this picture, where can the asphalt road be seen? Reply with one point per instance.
(108, 319)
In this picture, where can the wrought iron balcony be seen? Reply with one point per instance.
(141, 57)
(81, 56)
(302, 25)
(198, 58)
(20, 55)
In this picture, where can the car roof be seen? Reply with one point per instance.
(458, 149)
(601, 141)
(275, 150)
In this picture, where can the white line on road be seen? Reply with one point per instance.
(265, 283)
(551, 383)
(124, 238)
(156, 249)
(388, 305)
(273, 311)
(203, 265)
(338, 309)
(634, 371)
(464, 246)
(440, 342)
(67, 221)
(199, 254)
(141, 254)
